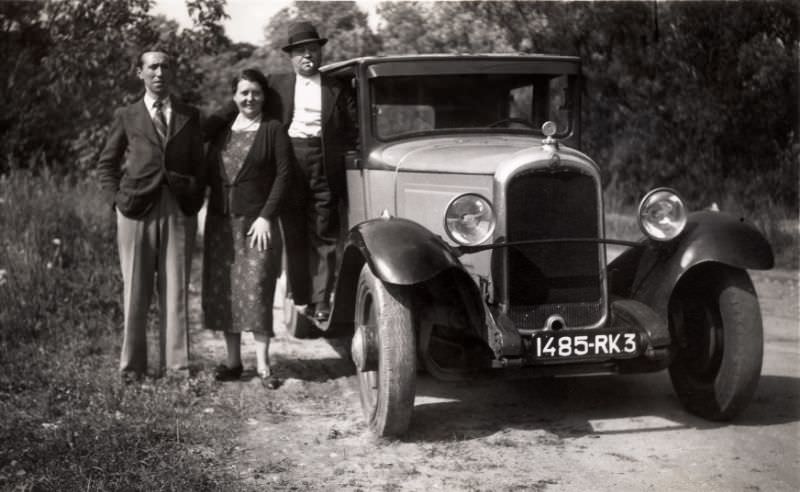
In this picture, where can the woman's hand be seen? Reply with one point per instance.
(259, 234)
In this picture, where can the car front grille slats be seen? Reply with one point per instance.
(553, 278)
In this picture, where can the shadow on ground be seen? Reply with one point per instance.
(580, 406)
(312, 370)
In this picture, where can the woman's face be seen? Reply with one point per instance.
(249, 98)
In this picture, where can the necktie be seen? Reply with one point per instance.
(159, 120)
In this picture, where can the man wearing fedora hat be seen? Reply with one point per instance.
(318, 113)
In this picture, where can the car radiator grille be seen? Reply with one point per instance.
(554, 278)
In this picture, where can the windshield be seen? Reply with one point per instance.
(407, 105)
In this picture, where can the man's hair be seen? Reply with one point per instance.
(153, 49)
(251, 75)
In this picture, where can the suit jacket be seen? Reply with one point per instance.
(134, 164)
(339, 131)
(261, 183)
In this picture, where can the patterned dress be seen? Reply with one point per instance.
(238, 281)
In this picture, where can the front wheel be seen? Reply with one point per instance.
(384, 353)
(716, 321)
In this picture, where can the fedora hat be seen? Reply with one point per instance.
(302, 32)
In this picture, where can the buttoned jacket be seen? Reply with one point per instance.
(260, 183)
(135, 163)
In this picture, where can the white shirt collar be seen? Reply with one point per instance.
(243, 124)
(314, 79)
(149, 100)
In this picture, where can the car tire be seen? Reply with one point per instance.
(716, 321)
(387, 394)
(296, 324)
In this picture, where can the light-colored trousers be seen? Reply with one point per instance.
(159, 245)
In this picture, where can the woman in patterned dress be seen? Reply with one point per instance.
(248, 167)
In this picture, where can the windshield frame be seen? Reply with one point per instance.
(552, 66)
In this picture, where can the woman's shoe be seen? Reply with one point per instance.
(269, 380)
(225, 373)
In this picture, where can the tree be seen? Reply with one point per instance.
(343, 23)
(76, 60)
(439, 27)
(404, 27)
(670, 98)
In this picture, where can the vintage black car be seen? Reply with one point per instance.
(476, 243)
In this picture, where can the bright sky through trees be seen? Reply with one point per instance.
(247, 17)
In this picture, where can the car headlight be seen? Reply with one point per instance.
(469, 219)
(662, 214)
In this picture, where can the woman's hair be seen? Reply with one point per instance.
(252, 75)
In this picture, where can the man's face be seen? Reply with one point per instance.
(155, 71)
(306, 58)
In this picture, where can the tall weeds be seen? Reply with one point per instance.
(58, 254)
(68, 422)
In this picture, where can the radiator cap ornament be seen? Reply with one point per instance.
(549, 129)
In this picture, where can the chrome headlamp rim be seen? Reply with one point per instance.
(654, 231)
(492, 223)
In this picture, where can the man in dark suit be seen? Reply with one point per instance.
(319, 114)
(151, 169)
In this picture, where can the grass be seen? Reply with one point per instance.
(68, 422)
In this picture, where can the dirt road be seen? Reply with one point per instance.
(599, 433)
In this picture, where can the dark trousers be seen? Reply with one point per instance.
(319, 214)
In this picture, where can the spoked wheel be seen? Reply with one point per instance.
(298, 325)
(716, 321)
(383, 350)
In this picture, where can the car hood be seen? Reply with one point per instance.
(472, 154)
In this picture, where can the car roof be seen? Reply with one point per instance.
(368, 60)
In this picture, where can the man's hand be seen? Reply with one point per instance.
(259, 234)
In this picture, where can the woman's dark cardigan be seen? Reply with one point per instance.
(263, 179)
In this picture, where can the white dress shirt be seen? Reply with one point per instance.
(307, 117)
(166, 108)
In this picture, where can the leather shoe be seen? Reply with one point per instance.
(322, 311)
(225, 373)
(270, 380)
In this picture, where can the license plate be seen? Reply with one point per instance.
(551, 345)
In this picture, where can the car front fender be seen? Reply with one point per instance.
(398, 251)
(709, 237)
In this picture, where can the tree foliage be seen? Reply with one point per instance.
(69, 63)
(701, 96)
(444, 27)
